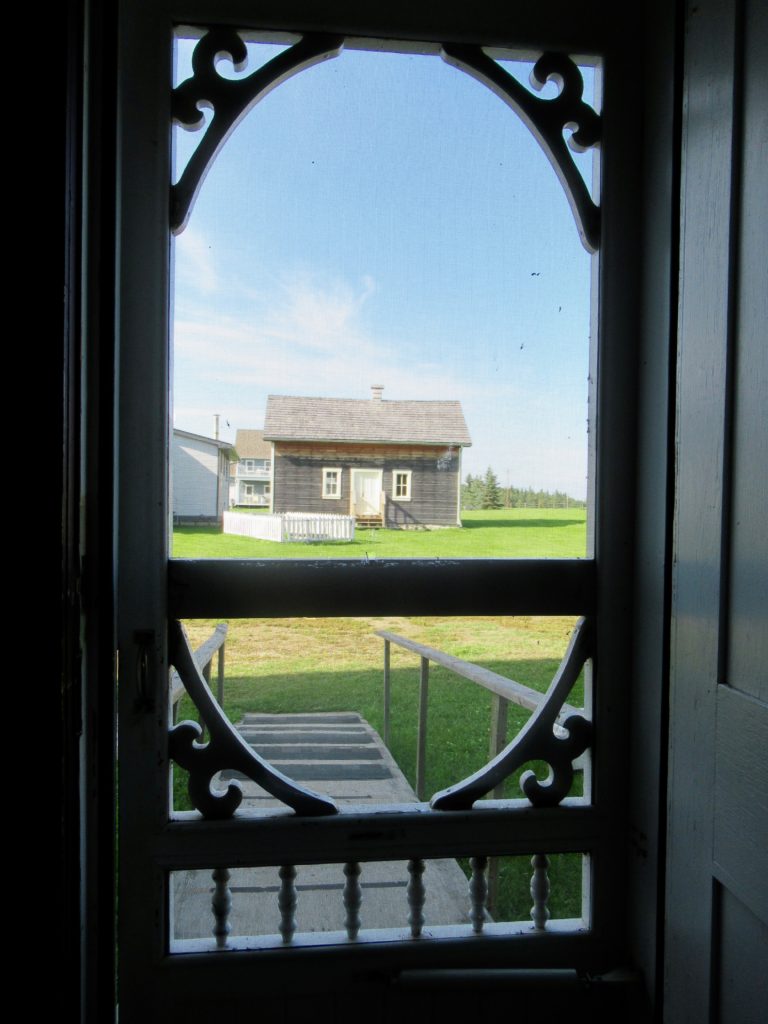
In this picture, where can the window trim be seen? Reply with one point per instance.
(327, 471)
(408, 474)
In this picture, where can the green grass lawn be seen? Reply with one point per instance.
(503, 533)
(301, 665)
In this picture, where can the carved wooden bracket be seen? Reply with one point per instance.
(225, 749)
(546, 119)
(536, 741)
(230, 100)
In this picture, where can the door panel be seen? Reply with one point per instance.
(740, 969)
(717, 894)
(747, 667)
(740, 846)
(366, 485)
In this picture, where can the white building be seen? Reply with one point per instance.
(251, 482)
(199, 476)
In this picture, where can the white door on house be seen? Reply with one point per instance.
(366, 492)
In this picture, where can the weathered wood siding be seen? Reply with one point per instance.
(299, 468)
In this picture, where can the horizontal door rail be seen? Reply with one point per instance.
(394, 832)
(493, 934)
(566, 944)
(287, 588)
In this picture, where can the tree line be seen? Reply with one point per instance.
(486, 492)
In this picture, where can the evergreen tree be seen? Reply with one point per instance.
(471, 492)
(491, 491)
(485, 492)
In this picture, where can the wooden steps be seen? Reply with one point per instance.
(336, 753)
(369, 522)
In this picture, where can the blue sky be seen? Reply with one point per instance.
(385, 219)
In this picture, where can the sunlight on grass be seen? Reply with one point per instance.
(502, 533)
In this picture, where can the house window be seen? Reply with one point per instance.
(401, 484)
(331, 483)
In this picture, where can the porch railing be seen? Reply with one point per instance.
(254, 500)
(213, 647)
(256, 473)
(505, 692)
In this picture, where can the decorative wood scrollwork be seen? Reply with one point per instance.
(536, 741)
(478, 893)
(225, 749)
(546, 119)
(230, 99)
(352, 898)
(221, 905)
(416, 893)
(540, 891)
(287, 900)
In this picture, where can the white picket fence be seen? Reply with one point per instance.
(290, 526)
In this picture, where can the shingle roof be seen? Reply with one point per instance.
(292, 418)
(250, 444)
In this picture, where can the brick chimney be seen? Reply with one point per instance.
(376, 392)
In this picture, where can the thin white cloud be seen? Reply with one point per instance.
(309, 338)
(319, 316)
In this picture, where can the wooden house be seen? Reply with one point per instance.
(251, 480)
(395, 464)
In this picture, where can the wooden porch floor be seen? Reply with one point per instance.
(341, 755)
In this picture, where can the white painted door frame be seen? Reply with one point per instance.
(365, 503)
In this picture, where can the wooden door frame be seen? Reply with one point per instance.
(144, 595)
(361, 471)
